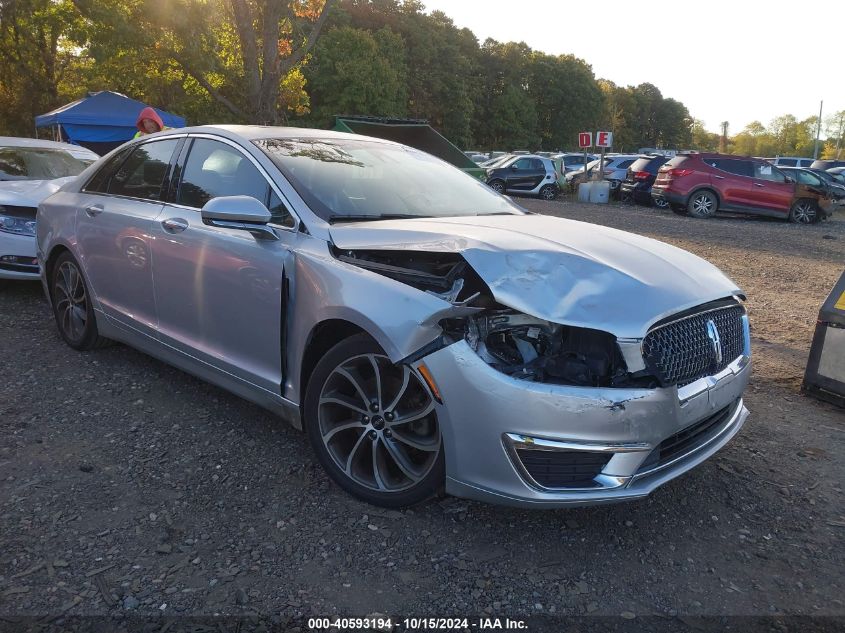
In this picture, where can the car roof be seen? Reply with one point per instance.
(19, 141)
(258, 132)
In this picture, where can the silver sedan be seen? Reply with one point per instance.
(424, 331)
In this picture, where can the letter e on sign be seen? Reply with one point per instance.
(604, 139)
(585, 139)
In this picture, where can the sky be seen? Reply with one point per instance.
(736, 61)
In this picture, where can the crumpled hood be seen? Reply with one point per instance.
(559, 270)
(29, 193)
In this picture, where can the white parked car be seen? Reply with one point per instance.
(30, 170)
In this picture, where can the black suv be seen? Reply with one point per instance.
(637, 184)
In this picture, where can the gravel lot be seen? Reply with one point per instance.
(128, 486)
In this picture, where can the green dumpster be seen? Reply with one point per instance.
(412, 132)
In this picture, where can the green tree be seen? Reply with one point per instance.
(354, 72)
(245, 54)
(37, 54)
(566, 98)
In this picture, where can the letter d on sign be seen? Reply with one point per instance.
(585, 139)
(604, 139)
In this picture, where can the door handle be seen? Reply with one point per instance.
(719, 177)
(94, 210)
(174, 225)
(757, 184)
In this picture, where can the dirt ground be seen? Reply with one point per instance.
(129, 487)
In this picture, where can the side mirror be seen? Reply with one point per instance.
(514, 167)
(788, 179)
(244, 213)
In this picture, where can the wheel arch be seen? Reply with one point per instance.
(321, 339)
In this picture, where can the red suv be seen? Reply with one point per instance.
(701, 184)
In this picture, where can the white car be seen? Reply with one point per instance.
(30, 170)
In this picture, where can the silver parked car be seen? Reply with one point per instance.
(422, 329)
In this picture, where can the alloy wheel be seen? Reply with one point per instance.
(803, 212)
(71, 301)
(702, 204)
(378, 424)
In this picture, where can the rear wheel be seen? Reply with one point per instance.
(497, 185)
(660, 203)
(549, 192)
(374, 426)
(72, 306)
(804, 212)
(703, 204)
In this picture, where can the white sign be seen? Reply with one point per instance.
(604, 139)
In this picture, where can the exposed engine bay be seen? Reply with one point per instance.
(516, 344)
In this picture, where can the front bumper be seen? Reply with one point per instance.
(22, 247)
(486, 417)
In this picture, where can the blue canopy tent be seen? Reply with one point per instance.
(100, 121)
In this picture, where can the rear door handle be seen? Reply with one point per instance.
(757, 184)
(94, 210)
(719, 177)
(174, 225)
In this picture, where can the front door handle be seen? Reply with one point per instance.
(174, 225)
(94, 210)
(757, 184)
(719, 177)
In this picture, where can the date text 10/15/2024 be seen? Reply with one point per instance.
(385, 623)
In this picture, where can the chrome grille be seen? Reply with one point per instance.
(684, 350)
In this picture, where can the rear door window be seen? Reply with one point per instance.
(142, 175)
(732, 166)
(99, 183)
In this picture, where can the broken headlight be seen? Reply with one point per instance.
(529, 348)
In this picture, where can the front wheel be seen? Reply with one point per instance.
(803, 212)
(703, 204)
(497, 185)
(374, 426)
(549, 192)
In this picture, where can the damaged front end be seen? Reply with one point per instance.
(518, 345)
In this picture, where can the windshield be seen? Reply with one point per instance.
(35, 163)
(351, 179)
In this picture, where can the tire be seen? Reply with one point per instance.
(72, 307)
(804, 211)
(374, 425)
(549, 192)
(497, 185)
(660, 203)
(703, 204)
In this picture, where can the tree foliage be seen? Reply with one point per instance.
(303, 61)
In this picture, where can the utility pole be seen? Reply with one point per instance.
(723, 141)
(818, 131)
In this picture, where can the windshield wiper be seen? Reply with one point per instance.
(370, 218)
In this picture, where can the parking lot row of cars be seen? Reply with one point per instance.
(698, 184)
